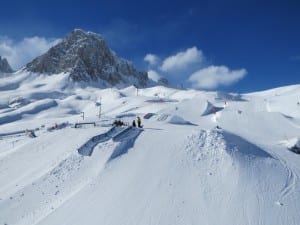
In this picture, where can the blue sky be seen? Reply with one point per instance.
(232, 45)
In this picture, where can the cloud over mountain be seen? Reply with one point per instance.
(18, 53)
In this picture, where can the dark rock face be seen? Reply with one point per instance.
(87, 58)
(4, 66)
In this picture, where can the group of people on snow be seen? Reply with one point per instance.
(118, 123)
(138, 123)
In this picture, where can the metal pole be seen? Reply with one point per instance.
(99, 110)
(99, 104)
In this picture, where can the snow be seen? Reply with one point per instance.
(201, 158)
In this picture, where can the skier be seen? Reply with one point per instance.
(133, 123)
(139, 122)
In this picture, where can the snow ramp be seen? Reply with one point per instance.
(178, 120)
(87, 148)
(222, 146)
(210, 109)
(125, 135)
(127, 139)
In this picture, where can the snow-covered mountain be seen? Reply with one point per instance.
(86, 57)
(201, 158)
(4, 66)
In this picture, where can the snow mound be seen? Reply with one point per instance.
(246, 166)
(210, 109)
(293, 144)
(175, 119)
(216, 143)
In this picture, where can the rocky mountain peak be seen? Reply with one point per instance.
(4, 66)
(87, 58)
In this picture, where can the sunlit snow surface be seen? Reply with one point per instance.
(200, 158)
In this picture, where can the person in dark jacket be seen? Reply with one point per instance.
(133, 123)
(139, 122)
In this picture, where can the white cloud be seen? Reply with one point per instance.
(151, 59)
(153, 75)
(178, 67)
(22, 52)
(215, 76)
(182, 60)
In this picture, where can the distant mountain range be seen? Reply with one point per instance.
(4, 66)
(87, 58)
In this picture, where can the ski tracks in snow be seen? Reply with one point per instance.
(291, 180)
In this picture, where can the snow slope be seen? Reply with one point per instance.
(189, 164)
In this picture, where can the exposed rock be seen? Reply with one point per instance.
(87, 58)
(163, 81)
(4, 66)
